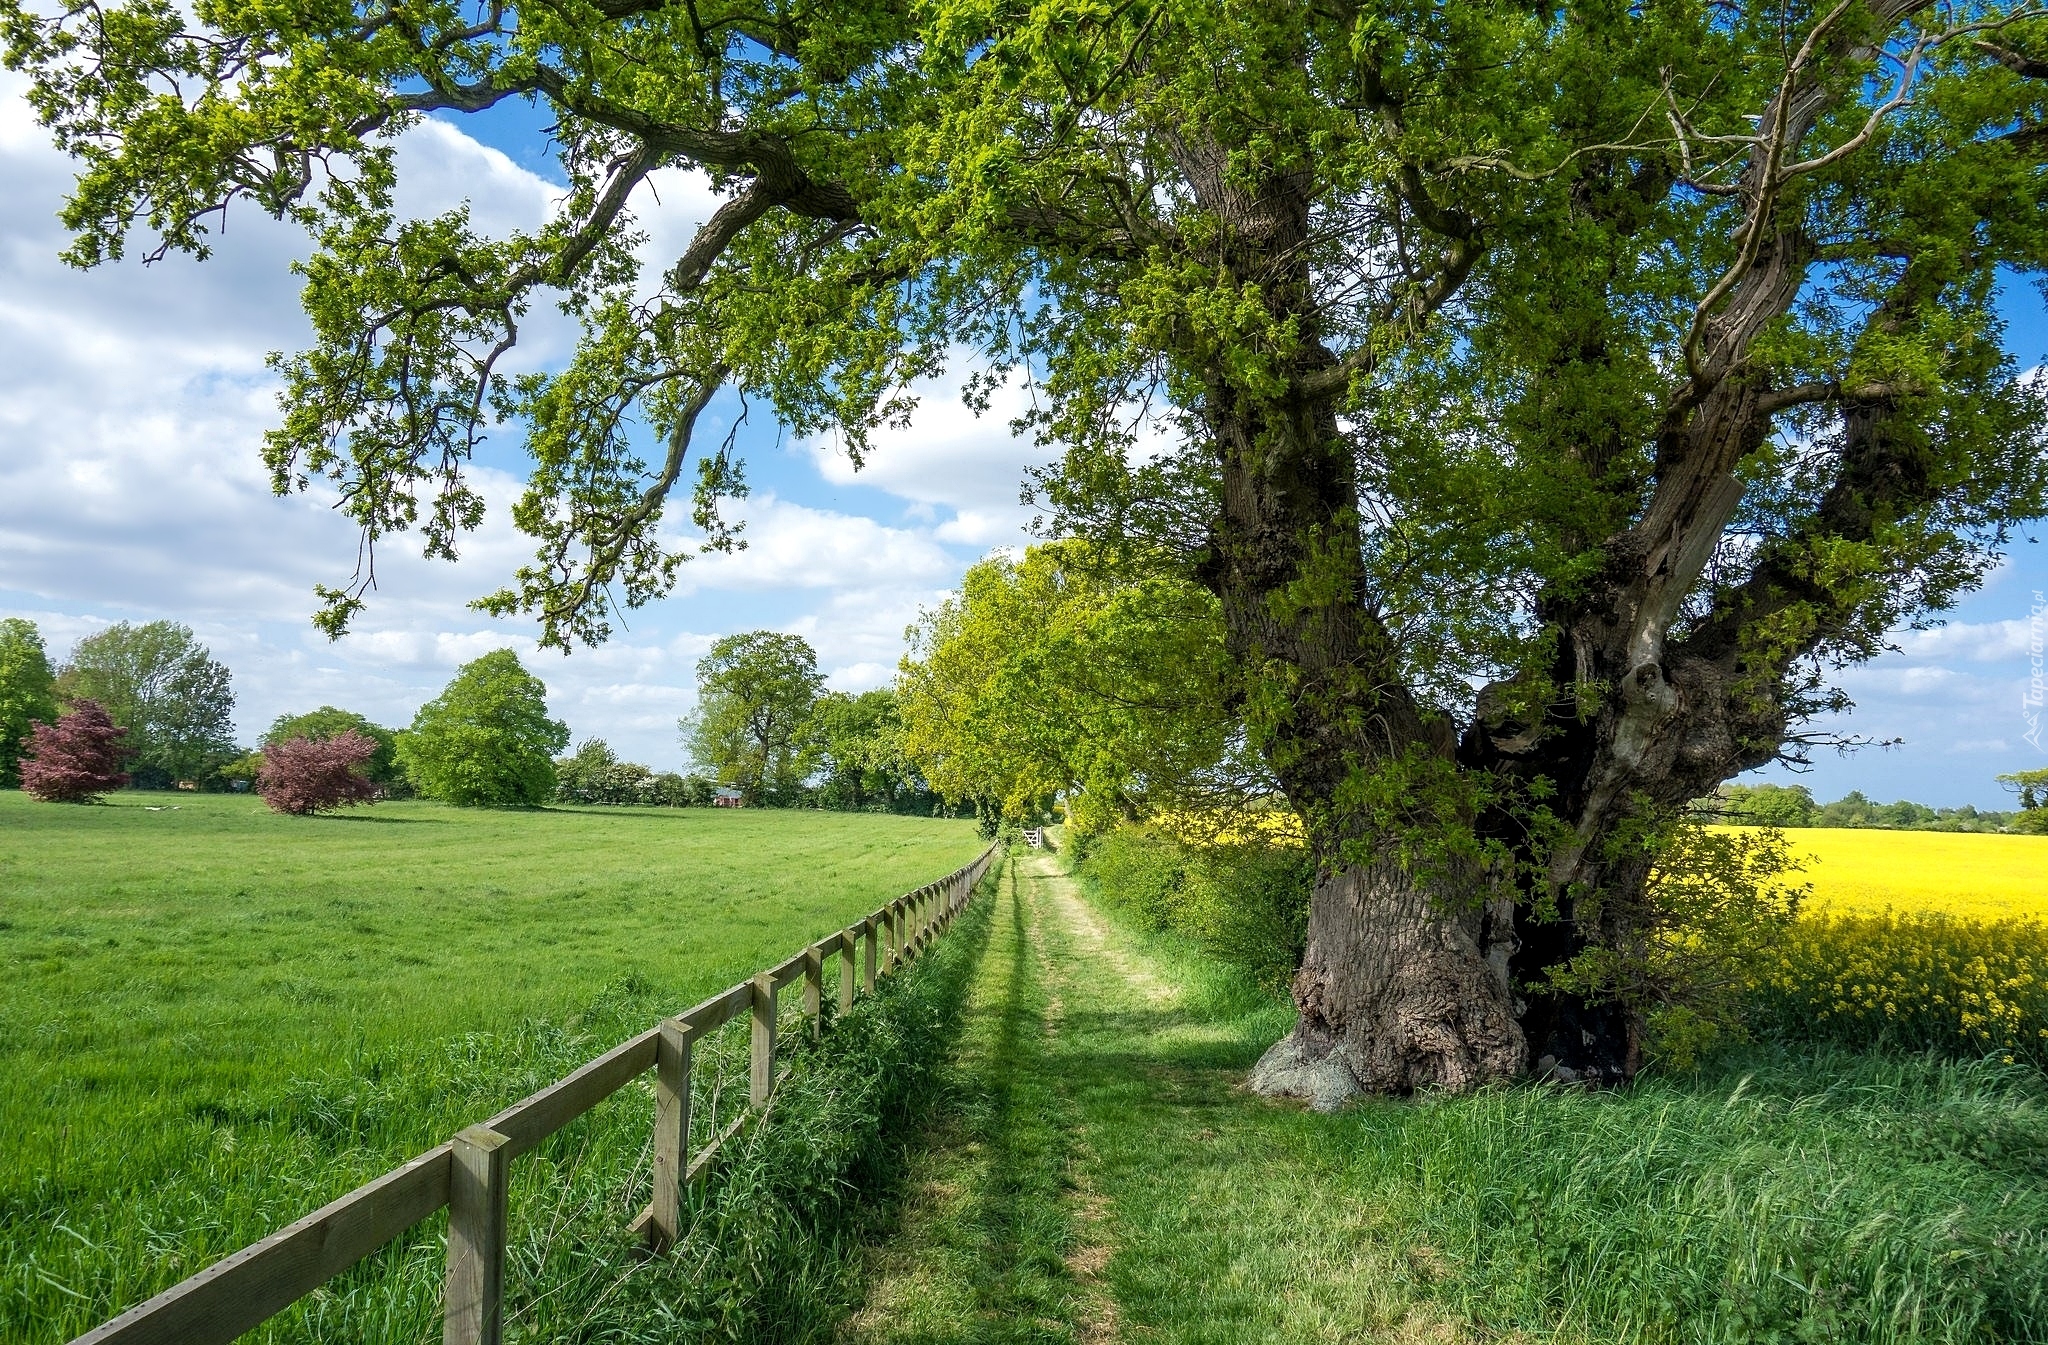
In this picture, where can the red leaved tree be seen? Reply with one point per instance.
(312, 775)
(76, 759)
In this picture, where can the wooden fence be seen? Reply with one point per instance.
(471, 1173)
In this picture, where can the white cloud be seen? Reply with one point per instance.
(794, 546)
(950, 458)
(1970, 641)
(440, 168)
(859, 677)
(669, 207)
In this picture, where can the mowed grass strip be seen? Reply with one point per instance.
(213, 1019)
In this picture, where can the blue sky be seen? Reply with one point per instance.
(132, 404)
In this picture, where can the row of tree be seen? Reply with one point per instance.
(1794, 806)
(126, 716)
(764, 726)
(176, 701)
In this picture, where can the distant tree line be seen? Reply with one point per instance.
(766, 732)
(1794, 806)
(148, 706)
(174, 700)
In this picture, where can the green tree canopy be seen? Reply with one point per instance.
(157, 681)
(2031, 786)
(593, 773)
(330, 722)
(27, 693)
(1550, 397)
(1769, 805)
(486, 740)
(754, 695)
(1052, 675)
(855, 744)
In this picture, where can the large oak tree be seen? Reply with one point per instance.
(1635, 364)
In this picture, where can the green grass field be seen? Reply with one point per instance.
(213, 1019)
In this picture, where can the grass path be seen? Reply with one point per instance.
(1099, 1177)
(1096, 1135)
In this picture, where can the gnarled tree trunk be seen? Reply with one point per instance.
(1396, 994)
(1406, 985)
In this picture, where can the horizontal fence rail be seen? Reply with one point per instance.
(471, 1174)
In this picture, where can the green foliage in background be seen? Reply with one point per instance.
(27, 693)
(754, 695)
(1794, 806)
(157, 681)
(2032, 788)
(1058, 675)
(855, 746)
(486, 740)
(328, 722)
(1245, 903)
(593, 773)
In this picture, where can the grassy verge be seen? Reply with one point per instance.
(213, 1020)
(1790, 1195)
(771, 1245)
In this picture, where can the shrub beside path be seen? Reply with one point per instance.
(1097, 1176)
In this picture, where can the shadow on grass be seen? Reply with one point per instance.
(984, 1263)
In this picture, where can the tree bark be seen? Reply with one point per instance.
(1396, 994)
(1405, 984)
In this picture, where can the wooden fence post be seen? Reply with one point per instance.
(874, 934)
(671, 1131)
(473, 1296)
(764, 1039)
(849, 948)
(814, 988)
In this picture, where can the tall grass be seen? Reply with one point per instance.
(1779, 1195)
(1785, 1191)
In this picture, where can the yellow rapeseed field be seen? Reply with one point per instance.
(1983, 877)
(1921, 939)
